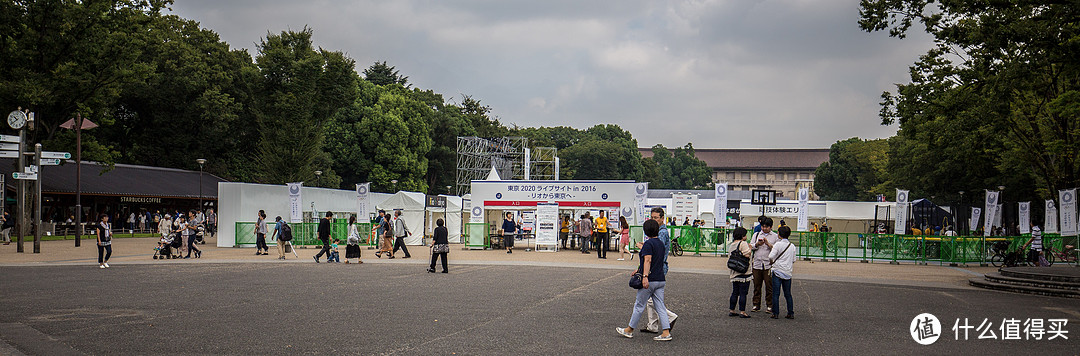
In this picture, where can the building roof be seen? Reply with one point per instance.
(745, 158)
(122, 180)
(702, 194)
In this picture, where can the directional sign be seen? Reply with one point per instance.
(9, 154)
(31, 169)
(9, 138)
(50, 162)
(60, 155)
(28, 176)
(9, 146)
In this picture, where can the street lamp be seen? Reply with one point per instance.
(78, 124)
(318, 178)
(201, 162)
(961, 211)
(448, 192)
(394, 182)
(1001, 202)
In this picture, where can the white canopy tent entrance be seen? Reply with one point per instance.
(420, 219)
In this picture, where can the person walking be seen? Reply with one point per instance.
(131, 222)
(585, 229)
(279, 236)
(653, 281)
(381, 236)
(763, 244)
(352, 244)
(261, 248)
(191, 229)
(740, 281)
(104, 241)
(603, 241)
(508, 228)
(624, 239)
(165, 227)
(400, 232)
(324, 236)
(211, 223)
(440, 246)
(7, 223)
(653, 318)
(782, 259)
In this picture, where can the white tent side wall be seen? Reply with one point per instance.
(411, 205)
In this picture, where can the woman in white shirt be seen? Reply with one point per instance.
(104, 241)
(783, 262)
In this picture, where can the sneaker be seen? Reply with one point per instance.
(106, 265)
(621, 259)
(755, 310)
(790, 316)
(662, 338)
(768, 310)
(623, 332)
(101, 266)
(316, 259)
(774, 316)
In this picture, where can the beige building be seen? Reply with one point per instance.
(782, 170)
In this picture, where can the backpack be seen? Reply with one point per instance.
(286, 232)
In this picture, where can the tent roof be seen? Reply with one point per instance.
(403, 201)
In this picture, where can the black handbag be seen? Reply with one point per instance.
(737, 262)
(635, 281)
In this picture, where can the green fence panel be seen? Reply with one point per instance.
(476, 235)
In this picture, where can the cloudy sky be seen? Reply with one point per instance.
(719, 74)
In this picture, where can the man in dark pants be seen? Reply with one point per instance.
(324, 235)
(400, 232)
(603, 242)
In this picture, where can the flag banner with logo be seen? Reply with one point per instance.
(990, 209)
(641, 195)
(804, 208)
(1050, 223)
(363, 201)
(976, 214)
(900, 226)
(1067, 211)
(720, 205)
(1025, 217)
(295, 204)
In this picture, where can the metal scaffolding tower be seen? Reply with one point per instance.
(542, 163)
(476, 156)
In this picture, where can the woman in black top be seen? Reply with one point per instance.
(440, 246)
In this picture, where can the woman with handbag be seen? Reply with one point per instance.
(739, 265)
(652, 279)
(104, 241)
(352, 243)
(440, 246)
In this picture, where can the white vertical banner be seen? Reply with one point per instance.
(900, 226)
(547, 224)
(720, 206)
(295, 204)
(1050, 224)
(804, 209)
(1025, 217)
(976, 214)
(476, 214)
(1067, 211)
(990, 208)
(528, 158)
(363, 202)
(641, 195)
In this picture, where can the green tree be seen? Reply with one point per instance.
(855, 171)
(382, 74)
(603, 152)
(1000, 88)
(677, 169)
(299, 90)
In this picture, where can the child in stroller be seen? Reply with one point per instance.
(168, 247)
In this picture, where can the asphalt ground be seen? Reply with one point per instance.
(384, 308)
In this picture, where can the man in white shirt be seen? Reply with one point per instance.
(783, 264)
(763, 243)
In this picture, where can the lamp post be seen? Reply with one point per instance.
(1001, 202)
(201, 162)
(78, 124)
(961, 211)
(394, 182)
(318, 178)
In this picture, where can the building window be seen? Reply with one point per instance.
(761, 176)
(731, 176)
(746, 176)
(779, 176)
(804, 175)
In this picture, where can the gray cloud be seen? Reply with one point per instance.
(720, 74)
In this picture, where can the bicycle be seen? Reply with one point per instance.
(1003, 258)
(1068, 254)
(676, 249)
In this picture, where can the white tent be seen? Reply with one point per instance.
(411, 205)
(451, 215)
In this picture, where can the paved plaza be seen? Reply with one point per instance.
(59, 302)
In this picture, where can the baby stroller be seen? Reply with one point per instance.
(171, 249)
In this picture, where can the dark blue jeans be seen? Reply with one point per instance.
(738, 295)
(778, 283)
